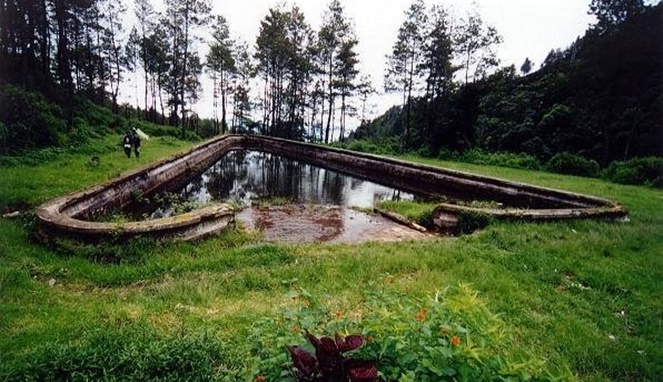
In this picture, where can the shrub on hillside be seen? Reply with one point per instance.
(387, 146)
(504, 159)
(364, 147)
(572, 164)
(99, 119)
(636, 171)
(29, 121)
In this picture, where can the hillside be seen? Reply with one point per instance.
(600, 99)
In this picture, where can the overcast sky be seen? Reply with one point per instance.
(530, 28)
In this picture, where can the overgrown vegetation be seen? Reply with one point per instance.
(570, 164)
(569, 300)
(593, 103)
(574, 300)
(445, 335)
(636, 171)
(135, 352)
(33, 129)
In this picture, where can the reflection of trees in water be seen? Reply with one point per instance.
(355, 183)
(225, 174)
(244, 175)
(333, 187)
(193, 187)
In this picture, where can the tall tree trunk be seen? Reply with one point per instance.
(322, 112)
(342, 131)
(265, 105)
(144, 53)
(163, 109)
(184, 61)
(224, 124)
(410, 83)
(45, 43)
(215, 103)
(63, 59)
(331, 97)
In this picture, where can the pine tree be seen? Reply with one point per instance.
(221, 65)
(335, 31)
(612, 12)
(183, 19)
(405, 61)
(145, 15)
(474, 44)
(526, 67)
(112, 53)
(345, 84)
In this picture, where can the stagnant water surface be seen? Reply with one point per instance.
(317, 201)
(242, 177)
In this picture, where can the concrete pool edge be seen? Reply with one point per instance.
(63, 216)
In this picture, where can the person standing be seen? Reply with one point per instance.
(135, 142)
(127, 143)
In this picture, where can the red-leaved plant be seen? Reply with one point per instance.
(329, 364)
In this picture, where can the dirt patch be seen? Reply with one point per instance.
(320, 223)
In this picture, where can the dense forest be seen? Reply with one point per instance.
(597, 102)
(64, 51)
(593, 104)
(600, 97)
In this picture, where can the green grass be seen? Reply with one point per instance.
(420, 213)
(583, 298)
(35, 180)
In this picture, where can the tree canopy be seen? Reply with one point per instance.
(600, 97)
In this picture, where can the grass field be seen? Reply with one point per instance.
(574, 300)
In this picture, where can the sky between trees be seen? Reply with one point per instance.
(530, 29)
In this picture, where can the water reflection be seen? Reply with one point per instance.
(243, 176)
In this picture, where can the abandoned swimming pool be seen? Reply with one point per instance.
(68, 214)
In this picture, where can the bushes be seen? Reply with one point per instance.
(448, 337)
(154, 130)
(571, 164)
(470, 221)
(389, 146)
(636, 171)
(504, 159)
(101, 120)
(28, 121)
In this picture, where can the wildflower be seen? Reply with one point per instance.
(421, 315)
(260, 378)
(455, 340)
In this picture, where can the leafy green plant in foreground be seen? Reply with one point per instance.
(451, 336)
